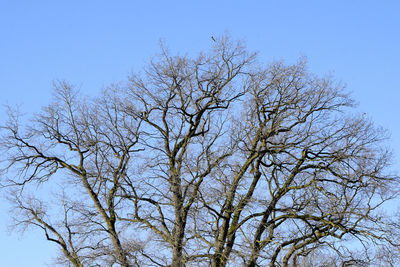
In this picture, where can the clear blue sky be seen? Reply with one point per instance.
(94, 43)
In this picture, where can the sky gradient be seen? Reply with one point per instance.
(95, 43)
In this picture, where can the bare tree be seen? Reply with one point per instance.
(212, 161)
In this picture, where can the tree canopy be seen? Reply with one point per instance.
(216, 160)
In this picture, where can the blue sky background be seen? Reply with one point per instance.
(94, 43)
